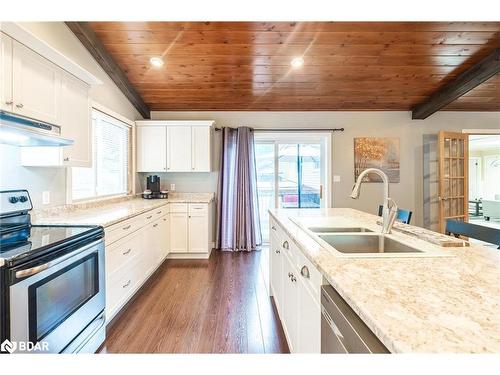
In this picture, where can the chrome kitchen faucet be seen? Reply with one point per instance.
(390, 209)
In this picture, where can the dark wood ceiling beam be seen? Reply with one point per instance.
(462, 84)
(90, 40)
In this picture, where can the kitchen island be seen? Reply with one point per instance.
(445, 301)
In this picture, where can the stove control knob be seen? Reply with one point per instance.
(13, 199)
(23, 198)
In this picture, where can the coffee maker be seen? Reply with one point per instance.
(153, 190)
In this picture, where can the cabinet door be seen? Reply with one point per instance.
(179, 149)
(201, 153)
(309, 321)
(198, 233)
(36, 85)
(290, 303)
(179, 232)
(158, 242)
(276, 276)
(165, 236)
(151, 148)
(149, 252)
(76, 123)
(6, 102)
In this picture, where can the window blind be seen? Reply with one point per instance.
(110, 164)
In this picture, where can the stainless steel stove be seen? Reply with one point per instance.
(51, 282)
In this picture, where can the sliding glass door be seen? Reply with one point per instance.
(291, 171)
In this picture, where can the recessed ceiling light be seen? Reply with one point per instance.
(157, 62)
(297, 62)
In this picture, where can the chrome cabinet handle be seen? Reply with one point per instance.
(305, 272)
(127, 252)
(290, 274)
(127, 227)
(20, 105)
(9, 102)
(273, 228)
(286, 245)
(277, 251)
(149, 217)
(126, 284)
(293, 278)
(66, 159)
(155, 225)
(159, 212)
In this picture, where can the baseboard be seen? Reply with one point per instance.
(189, 255)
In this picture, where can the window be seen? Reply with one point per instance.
(109, 173)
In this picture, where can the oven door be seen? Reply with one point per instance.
(56, 301)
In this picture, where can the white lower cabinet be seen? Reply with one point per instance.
(295, 285)
(276, 273)
(308, 339)
(136, 247)
(290, 308)
(190, 229)
(179, 232)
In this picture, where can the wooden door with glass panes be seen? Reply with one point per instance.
(453, 177)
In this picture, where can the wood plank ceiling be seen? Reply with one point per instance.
(347, 65)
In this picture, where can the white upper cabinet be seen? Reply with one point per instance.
(201, 148)
(179, 149)
(151, 148)
(185, 147)
(36, 86)
(76, 124)
(40, 83)
(6, 101)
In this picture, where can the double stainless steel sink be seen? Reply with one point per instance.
(359, 241)
(369, 244)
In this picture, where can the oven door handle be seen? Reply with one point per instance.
(34, 270)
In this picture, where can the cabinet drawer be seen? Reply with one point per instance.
(122, 229)
(273, 225)
(124, 251)
(289, 249)
(198, 208)
(310, 275)
(148, 217)
(161, 211)
(120, 285)
(178, 207)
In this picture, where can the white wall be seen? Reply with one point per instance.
(408, 193)
(12, 174)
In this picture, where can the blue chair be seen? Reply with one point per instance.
(404, 216)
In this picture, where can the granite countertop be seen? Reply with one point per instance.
(412, 304)
(110, 212)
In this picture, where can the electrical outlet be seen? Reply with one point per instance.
(336, 178)
(46, 197)
(172, 187)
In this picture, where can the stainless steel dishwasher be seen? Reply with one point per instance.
(342, 331)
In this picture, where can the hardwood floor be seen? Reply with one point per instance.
(220, 305)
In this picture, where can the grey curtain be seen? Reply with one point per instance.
(238, 225)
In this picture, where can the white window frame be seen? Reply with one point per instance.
(131, 165)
